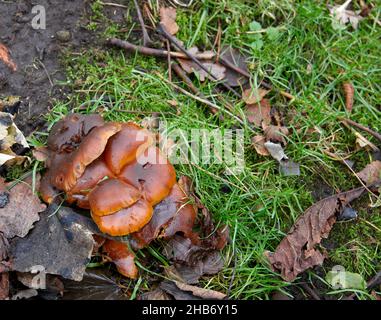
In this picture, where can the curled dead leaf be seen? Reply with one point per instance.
(258, 143)
(168, 19)
(297, 251)
(371, 173)
(349, 92)
(6, 58)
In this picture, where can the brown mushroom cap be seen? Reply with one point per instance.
(112, 195)
(126, 145)
(123, 258)
(91, 148)
(94, 173)
(67, 133)
(126, 220)
(172, 215)
(81, 200)
(151, 173)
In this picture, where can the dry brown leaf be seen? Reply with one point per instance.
(297, 251)
(233, 78)
(349, 92)
(168, 19)
(371, 173)
(252, 95)
(18, 216)
(258, 143)
(6, 58)
(342, 16)
(216, 69)
(276, 134)
(259, 113)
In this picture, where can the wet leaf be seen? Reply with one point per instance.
(96, 285)
(193, 261)
(236, 58)
(254, 95)
(6, 58)
(22, 210)
(61, 246)
(168, 19)
(297, 251)
(371, 173)
(182, 291)
(156, 294)
(276, 134)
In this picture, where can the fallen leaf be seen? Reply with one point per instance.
(4, 285)
(297, 251)
(168, 19)
(276, 151)
(259, 113)
(236, 58)
(371, 173)
(192, 261)
(341, 16)
(345, 280)
(254, 95)
(6, 58)
(216, 69)
(156, 294)
(61, 246)
(25, 294)
(10, 138)
(182, 291)
(96, 285)
(258, 143)
(276, 134)
(349, 92)
(18, 216)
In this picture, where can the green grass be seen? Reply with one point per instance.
(261, 205)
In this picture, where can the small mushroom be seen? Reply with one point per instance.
(151, 173)
(122, 257)
(112, 195)
(91, 148)
(95, 172)
(126, 220)
(68, 133)
(126, 145)
(172, 215)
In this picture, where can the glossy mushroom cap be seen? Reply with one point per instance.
(91, 148)
(172, 215)
(123, 258)
(126, 145)
(112, 195)
(68, 133)
(151, 173)
(125, 221)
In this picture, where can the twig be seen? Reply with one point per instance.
(146, 38)
(361, 127)
(169, 62)
(155, 52)
(111, 4)
(183, 76)
(205, 101)
(174, 41)
(311, 291)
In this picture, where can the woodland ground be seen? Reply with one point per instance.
(307, 58)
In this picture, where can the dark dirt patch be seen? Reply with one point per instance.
(37, 54)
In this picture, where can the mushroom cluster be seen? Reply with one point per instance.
(115, 170)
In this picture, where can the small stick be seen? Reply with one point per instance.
(146, 38)
(183, 76)
(111, 4)
(361, 127)
(174, 41)
(155, 52)
(205, 101)
(310, 291)
(169, 62)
